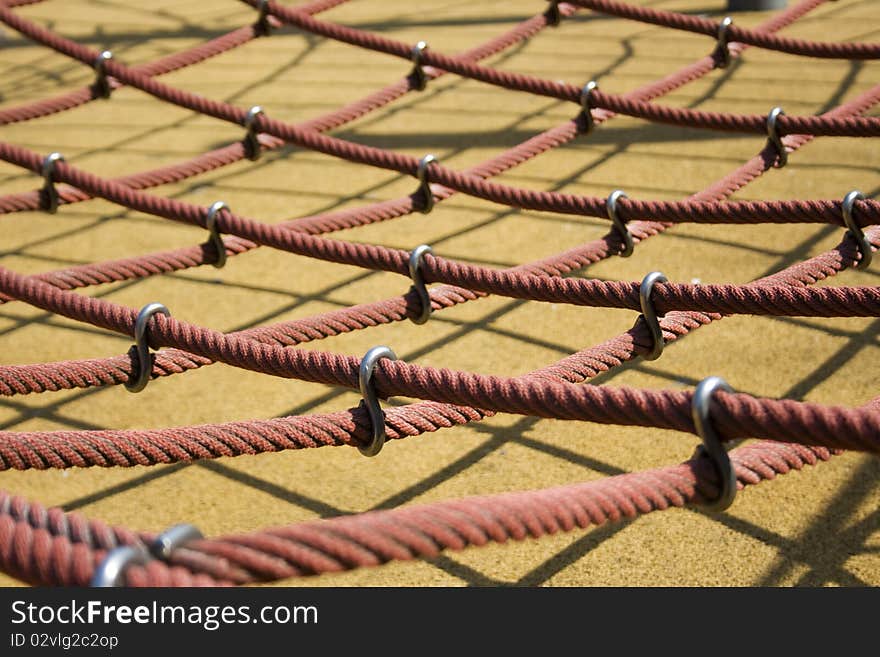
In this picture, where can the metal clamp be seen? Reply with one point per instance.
(650, 315)
(418, 73)
(587, 104)
(215, 239)
(722, 52)
(111, 571)
(712, 447)
(424, 186)
(855, 231)
(415, 265)
(553, 15)
(102, 82)
(370, 400)
(774, 138)
(251, 143)
(145, 359)
(171, 539)
(263, 26)
(619, 225)
(50, 194)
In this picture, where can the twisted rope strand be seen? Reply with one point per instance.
(48, 546)
(162, 66)
(754, 37)
(117, 370)
(403, 164)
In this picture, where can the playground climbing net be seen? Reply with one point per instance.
(50, 546)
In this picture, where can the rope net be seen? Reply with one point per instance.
(57, 546)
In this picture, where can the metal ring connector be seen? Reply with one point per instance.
(424, 186)
(145, 359)
(50, 194)
(553, 15)
(215, 239)
(712, 446)
(111, 571)
(855, 231)
(251, 143)
(774, 138)
(370, 400)
(171, 539)
(587, 104)
(263, 18)
(619, 225)
(102, 83)
(722, 52)
(650, 315)
(418, 73)
(415, 264)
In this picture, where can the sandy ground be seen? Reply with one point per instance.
(816, 527)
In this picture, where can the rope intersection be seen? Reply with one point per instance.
(48, 546)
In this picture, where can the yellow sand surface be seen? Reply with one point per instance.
(820, 526)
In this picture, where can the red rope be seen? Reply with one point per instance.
(817, 126)
(47, 546)
(235, 152)
(760, 38)
(162, 66)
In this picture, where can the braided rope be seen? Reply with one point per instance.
(47, 546)
(744, 212)
(760, 38)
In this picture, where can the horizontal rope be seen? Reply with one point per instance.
(118, 370)
(162, 66)
(236, 152)
(817, 126)
(176, 260)
(786, 420)
(759, 38)
(582, 366)
(865, 212)
(728, 299)
(167, 64)
(862, 126)
(48, 546)
(782, 212)
(46, 553)
(734, 415)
